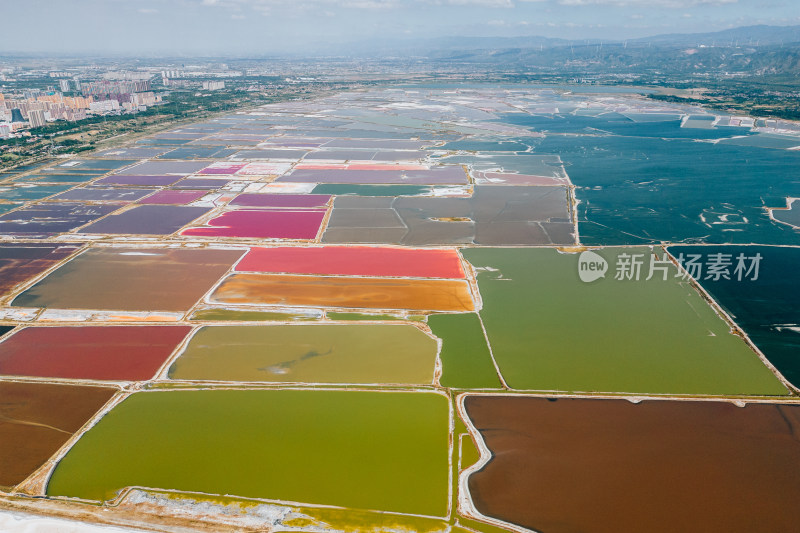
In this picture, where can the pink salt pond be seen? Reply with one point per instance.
(263, 224)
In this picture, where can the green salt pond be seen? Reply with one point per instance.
(550, 331)
(466, 361)
(326, 353)
(766, 307)
(364, 450)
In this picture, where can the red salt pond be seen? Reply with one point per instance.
(114, 353)
(169, 197)
(263, 224)
(354, 261)
(282, 200)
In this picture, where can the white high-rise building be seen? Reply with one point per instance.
(36, 118)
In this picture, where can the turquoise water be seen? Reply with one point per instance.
(617, 124)
(639, 190)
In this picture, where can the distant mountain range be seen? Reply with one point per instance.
(747, 35)
(744, 36)
(755, 50)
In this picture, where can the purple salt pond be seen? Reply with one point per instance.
(138, 180)
(169, 197)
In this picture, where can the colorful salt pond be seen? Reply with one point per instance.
(263, 224)
(320, 356)
(168, 197)
(31, 192)
(202, 183)
(466, 361)
(43, 416)
(146, 279)
(365, 450)
(61, 178)
(84, 165)
(100, 194)
(21, 262)
(492, 216)
(345, 292)
(550, 331)
(766, 307)
(197, 152)
(342, 189)
(447, 175)
(133, 152)
(281, 200)
(327, 353)
(115, 353)
(223, 167)
(147, 220)
(224, 314)
(158, 168)
(48, 219)
(354, 261)
(660, 466)
(138, 180)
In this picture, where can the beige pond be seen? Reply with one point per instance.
(330, 353)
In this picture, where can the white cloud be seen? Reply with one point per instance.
(305, 5)
(147, 11)
(678, 4)
(481, 3)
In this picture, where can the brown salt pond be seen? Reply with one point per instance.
(345, 292)
(36, 419)
(131, 279)
(21, 262)
(607, 466)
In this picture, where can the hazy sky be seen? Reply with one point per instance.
(259, 27)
